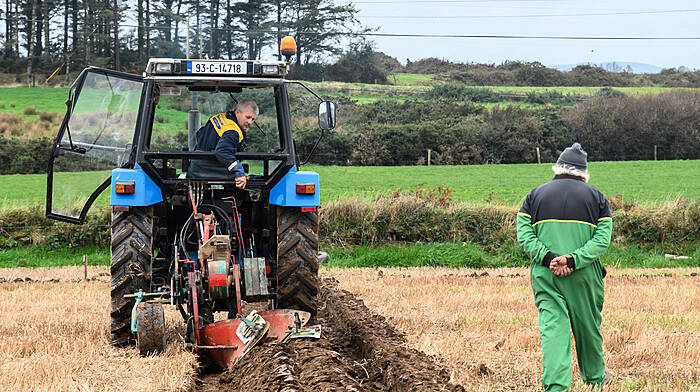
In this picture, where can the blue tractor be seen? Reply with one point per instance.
(200, 244)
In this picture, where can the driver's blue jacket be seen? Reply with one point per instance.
(222, 135)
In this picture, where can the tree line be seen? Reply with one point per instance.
(43, 34)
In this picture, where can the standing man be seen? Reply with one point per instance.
(225, 134)
(564, 226)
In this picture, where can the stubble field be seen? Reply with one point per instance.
(480, 325)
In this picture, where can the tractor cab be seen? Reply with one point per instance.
(196, 242)
(116, 120)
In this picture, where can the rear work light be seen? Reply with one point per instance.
(270, 69)
(163, 68)
(125, 187)
(305, 188)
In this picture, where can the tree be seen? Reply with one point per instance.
(253, 17)
(359, 64)
(318, 26)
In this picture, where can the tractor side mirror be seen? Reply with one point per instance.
(326, 115)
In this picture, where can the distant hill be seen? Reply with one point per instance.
(615, 66)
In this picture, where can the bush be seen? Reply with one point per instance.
(461, 92)
(314, 72)
(552, 97)
(628, 128)
(412, 112)
(12, 104)
(609, 92)
(45, 116)
(29, 110)
(431, 65)
(24, 157)
(359, 64)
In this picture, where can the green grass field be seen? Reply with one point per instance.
(649, 182)
(643, 181)
(409, 79)
(47, 99)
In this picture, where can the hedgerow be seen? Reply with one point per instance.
(414, 215)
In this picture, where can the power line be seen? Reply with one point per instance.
(510, 7)
(527, 16)
(454, 1)
(415, 35)
(523, 37)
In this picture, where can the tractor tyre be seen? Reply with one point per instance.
(130, 267)
(150, 328)
(297, 259)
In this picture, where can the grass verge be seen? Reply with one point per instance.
(468, 255)
(447, 254)
(31, 256)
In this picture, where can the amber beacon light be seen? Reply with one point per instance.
(288, 47)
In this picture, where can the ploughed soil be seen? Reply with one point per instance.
(357, 351)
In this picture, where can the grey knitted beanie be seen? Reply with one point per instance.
(574, 156)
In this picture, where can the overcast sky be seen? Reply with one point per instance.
(630, 18)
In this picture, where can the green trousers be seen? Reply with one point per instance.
(571, 303)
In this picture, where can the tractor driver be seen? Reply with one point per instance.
(225, 134)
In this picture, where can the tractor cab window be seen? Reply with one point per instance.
(181, 111)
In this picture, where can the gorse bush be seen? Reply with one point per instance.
(454, 91)
(552, 97)
(609, 92)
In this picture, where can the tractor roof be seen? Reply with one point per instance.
(208, 72)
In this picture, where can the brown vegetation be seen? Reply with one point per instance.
(14, 126)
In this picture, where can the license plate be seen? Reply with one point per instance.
(216, 67)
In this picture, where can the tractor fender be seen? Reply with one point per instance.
(284, 193)
(146, 192)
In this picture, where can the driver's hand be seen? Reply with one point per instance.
(240, 182)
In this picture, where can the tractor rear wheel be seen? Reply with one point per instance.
(297, 259)
(150, 328)
(130, 267)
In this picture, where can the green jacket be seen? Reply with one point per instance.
(565, 216)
